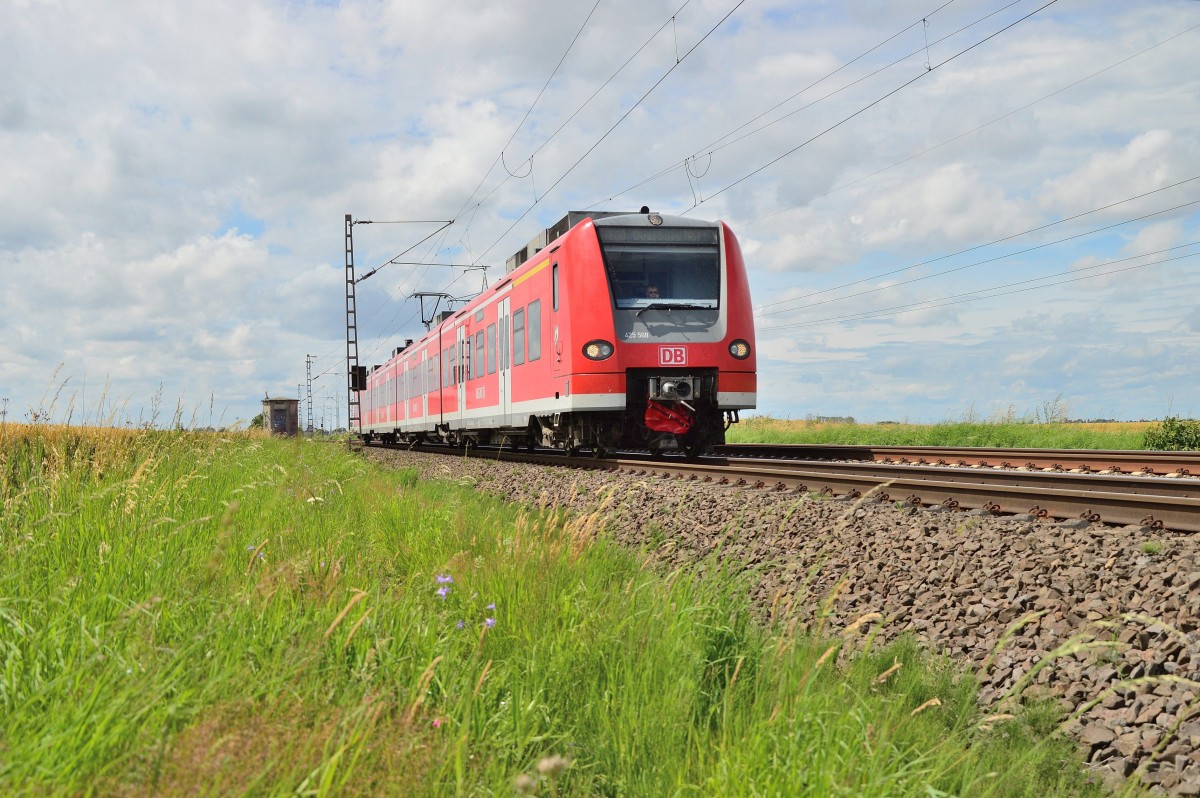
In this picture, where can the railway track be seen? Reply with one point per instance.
(1149, 489)
(1087, 461)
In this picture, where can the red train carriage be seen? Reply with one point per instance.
(622, 330)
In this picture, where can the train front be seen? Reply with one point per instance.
(684, 328)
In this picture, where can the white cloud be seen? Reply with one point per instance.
(176, 178)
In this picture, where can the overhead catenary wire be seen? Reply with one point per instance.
(956, 299)
(716, 145)
(444, 224)
(759, 309)
(517, 129)
(975, 129)
(830, 74)
(552, 74)
(573, 114)
(875, 102)
(870, 105)
(982, 262)
(616, 124)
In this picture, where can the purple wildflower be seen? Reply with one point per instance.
(491, 606)
(443, 590)
(489, 622)
(460, 624)
(445, 579)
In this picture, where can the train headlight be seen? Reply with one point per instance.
(739, 349)
(597, 350)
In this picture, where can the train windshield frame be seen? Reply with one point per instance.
(662, 267)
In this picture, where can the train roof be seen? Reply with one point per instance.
(642, 218)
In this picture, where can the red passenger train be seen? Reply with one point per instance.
(619, 331)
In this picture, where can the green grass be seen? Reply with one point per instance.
(1006, 434)
(193, 614)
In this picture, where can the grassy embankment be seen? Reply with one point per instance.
(1000, 434)
(185, 612)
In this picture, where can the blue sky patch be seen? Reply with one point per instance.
(237, 219)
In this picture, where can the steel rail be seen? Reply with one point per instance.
(1106, 483)
(1088, 460)
(1060, 496)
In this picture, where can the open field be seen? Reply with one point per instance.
(1008, 434)
(188, 613)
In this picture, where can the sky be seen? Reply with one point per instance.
(949, 210)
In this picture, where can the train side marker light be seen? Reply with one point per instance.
(740, 349)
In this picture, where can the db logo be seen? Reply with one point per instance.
(672, 356)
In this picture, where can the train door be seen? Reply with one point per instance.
(556, 339)
(505, 367)
(403, 394)
(424, 382)
(463, 343)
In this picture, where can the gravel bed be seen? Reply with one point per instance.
(1123, 602)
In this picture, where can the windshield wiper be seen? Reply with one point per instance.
(669, 306)
(654, 306)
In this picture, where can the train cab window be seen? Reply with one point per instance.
(663, 267)
(518, 344)
(491, 349)
(535, 330)
(553, 287)
(479, 361)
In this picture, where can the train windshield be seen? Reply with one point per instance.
(672, 267)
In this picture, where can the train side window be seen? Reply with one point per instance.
(479, 361)
(504, 343)
(452, 372)
(554, 286)
(535, 330)
(491, 349)
(518, 344)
